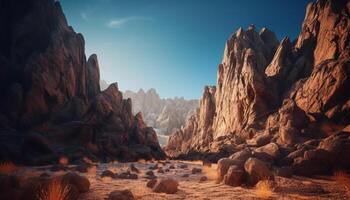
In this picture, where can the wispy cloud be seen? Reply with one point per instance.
(119, 22)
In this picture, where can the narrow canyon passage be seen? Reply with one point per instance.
(273, 120)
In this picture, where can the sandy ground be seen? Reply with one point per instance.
(191, 188)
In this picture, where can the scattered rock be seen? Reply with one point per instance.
(196, 170)
(185, 175)
(132, 168)
(150, 173)
(183, 166)
(151, 183)
(126, 175)
(107, 173)
(167, 185)
(153, 167)
(121, 195)
(203, 178)
(160, 170)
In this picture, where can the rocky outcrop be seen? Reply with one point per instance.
(164, 115)
(289, 97)
(197, 131)
(51, 103)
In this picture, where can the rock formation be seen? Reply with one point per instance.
(292, 96)
(164, 115)
(51, 102)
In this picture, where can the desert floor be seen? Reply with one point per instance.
(191, 188)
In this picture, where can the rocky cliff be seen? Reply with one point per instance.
(51, 103)
(164, 115)
(291, 94)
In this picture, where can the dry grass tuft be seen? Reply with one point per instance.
(56, 190)
(7, 167)
(211, 173)
(264, 189)
(342, 178)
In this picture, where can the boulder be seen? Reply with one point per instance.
(80, 182)
(121, 195)
(167, 185)
(257, 170)
(196, 170)
(314, 162)
(223, 165)
(234, 176)
(203, 179)
(151, 183)
(271, 149)
(241, 157)
(107, 173)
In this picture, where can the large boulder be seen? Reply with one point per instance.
(234, 176)
(271, 149)
(223, 165)
(166, 185)
(257, 170)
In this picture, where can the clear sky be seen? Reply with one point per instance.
(173, 46)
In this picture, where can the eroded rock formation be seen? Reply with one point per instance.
(164, 115)
(51, 102)
(293, 95)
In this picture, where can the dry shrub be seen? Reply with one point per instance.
(264, 188)
(342, 178)
(55, 190)
(7, 167)
(63, 160)
(211, 173)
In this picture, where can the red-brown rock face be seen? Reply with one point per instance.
(51, 103)
(288, 93)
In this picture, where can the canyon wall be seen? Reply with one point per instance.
(51, 103)
(164, 115)
(288, 93)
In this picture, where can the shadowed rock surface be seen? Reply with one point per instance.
(291, 96)
(51, 103)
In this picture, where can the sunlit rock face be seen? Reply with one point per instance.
(51, 102)
(164, 115)
(285, 92)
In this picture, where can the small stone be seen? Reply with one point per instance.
(151, 183)
(203, 178)
(196, 170)
(107, 173)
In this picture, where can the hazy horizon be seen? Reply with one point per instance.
(171, 46)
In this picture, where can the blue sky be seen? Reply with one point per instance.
(173, 46)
